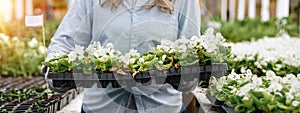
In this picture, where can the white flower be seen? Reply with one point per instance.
(247, 75)
(210, 48)
(246, 98)
(212, 41)
(132, 60)
(119, 53)
(295, 103)
(256, 81)
(101, 59)
(219, 87)
(209, 31)
(42, 49)
(222, 81)
(275, 86)
(133, 52)
(288, 78)
(233, 76)
(78, 53)
(15, 39)
(160, 62)
(278, 66)
(111, 53)
(194, 38)
(125, 59)
(168, 43)
(214, 24)
(260, 89)
(270, 75)
(141, 60)
(72, 56)
(257, 64)
(294, 86)
(245, 89)
(93, 47)
(4, 37)
(233, 89)
(220, 38)
(182, 41)
(194, 44)
(182, 48)
(289, 96)
(79, 49)
(99, 52)
(80, 57)
(109, 46)
(248, 72)
(162, 48)
(243, 70)
(164, 57)
(172, 50)
(33, 43)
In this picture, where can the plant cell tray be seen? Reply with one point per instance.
(183, 79)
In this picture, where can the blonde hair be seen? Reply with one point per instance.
(166, 6)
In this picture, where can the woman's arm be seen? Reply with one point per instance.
(75, 28)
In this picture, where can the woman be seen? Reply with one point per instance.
(128, 24)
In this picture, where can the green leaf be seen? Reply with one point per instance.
(48, 64)
(242, 108)
(284, 107)
(87, 71)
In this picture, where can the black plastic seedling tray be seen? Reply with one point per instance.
(36, 105)
(180, 79)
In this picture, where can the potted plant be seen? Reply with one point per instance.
(250, 93)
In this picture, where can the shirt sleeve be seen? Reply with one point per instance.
(75, 28)
(189, 19)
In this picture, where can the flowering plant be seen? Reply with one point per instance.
(248, 93)
(20, 56)
(278, 54)
(182, 52)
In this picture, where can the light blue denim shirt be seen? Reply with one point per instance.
(130, 26)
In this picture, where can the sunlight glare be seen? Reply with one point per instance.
(6, 10)
(5, 13)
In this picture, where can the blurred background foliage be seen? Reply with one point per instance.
(17, 29)
(252, 29)
(22, 50)
(20, 56)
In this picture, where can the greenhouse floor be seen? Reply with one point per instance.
(74, 106)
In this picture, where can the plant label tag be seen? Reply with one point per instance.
(34, 21)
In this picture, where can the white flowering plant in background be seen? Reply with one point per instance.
(279, 54)
(20, 56)
(248, 92)
(169, 54)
